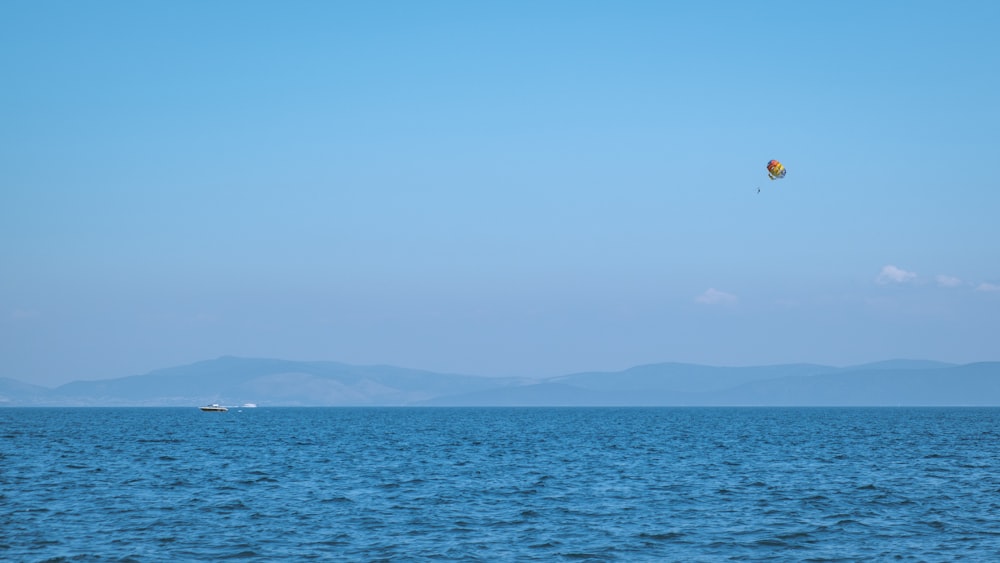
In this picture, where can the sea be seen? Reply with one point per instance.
(500, 484)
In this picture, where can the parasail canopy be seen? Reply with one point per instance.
(775, 170)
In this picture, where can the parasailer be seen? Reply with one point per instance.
(775, 170)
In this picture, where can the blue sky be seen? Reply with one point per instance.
(496, 188)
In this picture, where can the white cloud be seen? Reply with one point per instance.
(986, 286)
(892, 274)
(713, 296)
(948, 281)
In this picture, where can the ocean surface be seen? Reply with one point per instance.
(500, 484)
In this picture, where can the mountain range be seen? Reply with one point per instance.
(271, 382)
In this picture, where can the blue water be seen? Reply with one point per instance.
(656, 484)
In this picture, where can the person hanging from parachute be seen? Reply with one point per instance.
(775, 171)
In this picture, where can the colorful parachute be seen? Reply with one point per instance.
(775, 170)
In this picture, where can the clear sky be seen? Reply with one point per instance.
(496, 188)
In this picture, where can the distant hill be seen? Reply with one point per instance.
(232, 381)
(270, 382)
(15, 392)
(967, 385)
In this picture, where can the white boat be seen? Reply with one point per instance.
(249, 405)
(214, 407)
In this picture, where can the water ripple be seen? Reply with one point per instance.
(499, 484)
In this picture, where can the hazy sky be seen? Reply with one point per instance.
(496, 188)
